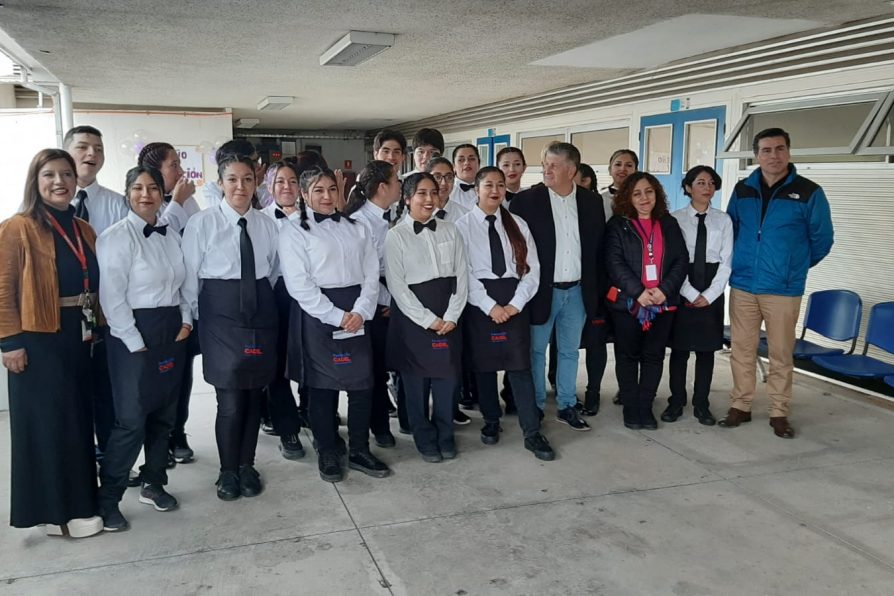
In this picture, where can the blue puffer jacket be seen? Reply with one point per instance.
(773, 257)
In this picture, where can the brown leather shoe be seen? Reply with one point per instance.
(781, 427)
(734, 417)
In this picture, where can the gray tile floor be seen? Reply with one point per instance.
(684, 510)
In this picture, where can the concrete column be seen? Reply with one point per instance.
(65, 108)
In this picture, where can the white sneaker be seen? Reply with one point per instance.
(52, 530)
(83, 527)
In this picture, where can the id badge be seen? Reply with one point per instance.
(86, 332)
(651, 272)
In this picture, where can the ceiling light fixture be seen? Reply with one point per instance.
(275, 102)
(356, 47)
(247, 122)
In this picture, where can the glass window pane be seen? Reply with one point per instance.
(658, 148)
(701, 144)
(885, 135)
(484, 155)
(532, 147)
(596, 146)
(809, 128)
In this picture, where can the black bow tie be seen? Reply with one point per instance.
(612, 190)
(466, 187)
(334, 216)
(148, 229)
(509, 195)
(168, 198)
(387, 215)
(431, 225)
(279, 213)
(441, 214)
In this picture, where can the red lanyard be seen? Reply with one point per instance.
(650, 240)
(78, 252)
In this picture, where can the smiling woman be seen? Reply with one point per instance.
(45, 253)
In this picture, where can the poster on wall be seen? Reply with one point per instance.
(192, 162)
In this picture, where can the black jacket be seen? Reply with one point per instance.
(533, 206)
(624, 259)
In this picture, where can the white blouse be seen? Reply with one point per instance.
(137, 271)
(719, 248)
(464, 198)
(373, 217)
(177, 215)
(331, 254)
(474, 229)
(412, 258)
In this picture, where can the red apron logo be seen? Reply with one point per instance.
(341, 359)
(166, 366)
(498, 337)
(440, 344)
(252, 351)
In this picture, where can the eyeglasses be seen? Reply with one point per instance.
(443, 177)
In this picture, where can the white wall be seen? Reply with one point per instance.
(24, 133)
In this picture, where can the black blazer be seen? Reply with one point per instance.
(624, 260)
(533, 206)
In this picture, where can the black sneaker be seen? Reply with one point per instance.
(180, 449)
(459, 418)
(385, 440)
(490, 433)
(112, 520)
(228, 486)
(467, 403)
(267, 428)
(341, 448)
(330, 467)
(364, 461)
(539, 446)
(155, 495)
(290, 446)
(569, 416)
(432, 458)
(449, 453)
(249, 481)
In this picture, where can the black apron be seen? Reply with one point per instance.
(699, 329)
(321, 362)
(237, 352)
(493, 347)
(422, 352)
(143, 382)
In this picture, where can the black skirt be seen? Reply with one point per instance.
(422, 352)
(149, 380)
(320, 361)
(493, 347)
(699, 329)
(238, 352)
(51, 428)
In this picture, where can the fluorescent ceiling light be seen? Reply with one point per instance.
(356, 47)
(275, 102)
(247, 122)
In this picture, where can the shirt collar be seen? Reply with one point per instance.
(92, 189)
(231, 215)
(692, 212)
(554, 195)
(481, 215)
(408, 221)
(138, 221)
(375, 209)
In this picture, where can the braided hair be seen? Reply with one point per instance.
(308, 178)
(375, 173)
(513, 232)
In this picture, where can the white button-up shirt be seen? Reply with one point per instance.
(719, 248)
(138, 272)
(105, 206)
(373, 217)
(474, 229)
(463, 198)
(568, 256)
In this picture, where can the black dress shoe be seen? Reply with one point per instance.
(647, 418)
(249, 481)
(385, 440)
(671, 414)
(539, 446)
(364, 461)
(705, 416)
(631, 418)
(290, 446)
(490, 433)
(228, 486)
(329, 463)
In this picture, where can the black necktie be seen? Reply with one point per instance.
(279, 213)
(334, 216)
(248, 297)
(701, 254)
(497, 260)
(441, 214)
(466, 187)
(387, 215)
(81, 210)
(418, 227)
(148, 229)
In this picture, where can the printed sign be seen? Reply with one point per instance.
(192, 162)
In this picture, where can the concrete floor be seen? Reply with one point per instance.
(685, 510)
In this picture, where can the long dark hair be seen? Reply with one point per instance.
(513, 232)
(33, 205)
(622, 203)
(375, 173)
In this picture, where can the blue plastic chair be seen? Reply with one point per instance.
(728, 342)
(880, 334)
(834, 314)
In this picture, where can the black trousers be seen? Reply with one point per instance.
(101, 390)
(133, 431)
(523, 391)
(431, 432)
(639, 357)
(236, 427)
(322, 409)
(379, 420)
(704, 374)
(402, 417)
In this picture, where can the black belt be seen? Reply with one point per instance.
(565, 285)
